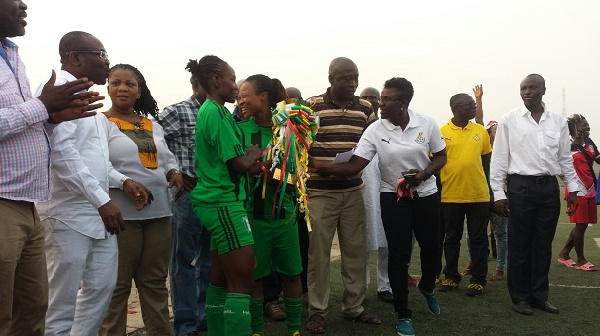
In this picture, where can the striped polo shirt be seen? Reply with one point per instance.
(339, 131)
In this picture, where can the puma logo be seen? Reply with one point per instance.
(388, 140)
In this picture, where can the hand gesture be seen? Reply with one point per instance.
(70, 100)
(176, 179)
(138, 193)
(112, 218)
(255, 152)
(417, 179)
(189, 183)
(478, 91)
(572, 203)
(501, 207)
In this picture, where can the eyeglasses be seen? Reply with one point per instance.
(103, 54)
(387, 99)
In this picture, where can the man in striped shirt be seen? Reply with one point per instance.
(337, 202)
(24, 162)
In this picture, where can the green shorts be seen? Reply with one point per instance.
(228, 225)
(277, 247)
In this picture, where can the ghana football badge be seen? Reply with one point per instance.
(420, 139)
(476, 137)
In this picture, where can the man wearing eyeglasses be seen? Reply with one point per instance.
(24, 156)
(80, 220)
(465, 193)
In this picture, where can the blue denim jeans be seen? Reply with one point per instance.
(499, 226)
(189, 268)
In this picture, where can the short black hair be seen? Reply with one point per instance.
(402, 85)
(455, 98)
(71, 41)
(145, 105)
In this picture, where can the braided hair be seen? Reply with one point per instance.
(575, 123)
(272, 86)
(192, 64)
(205, 68)
(145, 105)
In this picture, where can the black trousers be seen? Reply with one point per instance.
(477, 220)
(534, 204)
(400, 219)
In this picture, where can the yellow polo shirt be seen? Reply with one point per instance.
(463, 179)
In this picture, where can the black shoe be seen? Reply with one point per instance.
(474, 289)
(523, 308)
(547, 307)
(386, 296)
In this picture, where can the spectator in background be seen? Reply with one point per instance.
(465, 192)
(189, 264)
(375, 234)
(583, 160)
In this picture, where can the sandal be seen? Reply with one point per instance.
(367, 318)
(588, 266)
(466, 271)
(567, 262)
(316, 324)
(497, 277)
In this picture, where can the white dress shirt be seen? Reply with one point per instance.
(400, 150)
(525, 147)
(80, 172)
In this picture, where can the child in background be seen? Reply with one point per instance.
(584, 153)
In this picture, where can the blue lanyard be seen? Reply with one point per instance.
(5, 56)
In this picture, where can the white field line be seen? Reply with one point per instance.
(575, 286)
(597, 241)
(567, 223)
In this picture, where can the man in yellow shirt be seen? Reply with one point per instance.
(465, 193)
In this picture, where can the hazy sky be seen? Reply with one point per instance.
(442, 47)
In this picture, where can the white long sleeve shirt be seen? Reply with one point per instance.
(525, 147)
(124, 155)
(80, 173)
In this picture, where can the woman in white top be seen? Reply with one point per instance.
(403, 140)
(137, 148)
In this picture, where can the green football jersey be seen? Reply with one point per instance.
(218, 139)
(257, 207)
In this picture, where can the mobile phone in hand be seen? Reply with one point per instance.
(409, 174)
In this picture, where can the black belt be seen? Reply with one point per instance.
(535, 179)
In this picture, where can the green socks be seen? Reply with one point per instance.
(293, 312)
(257, 312)
(215, 301)
(236, 314)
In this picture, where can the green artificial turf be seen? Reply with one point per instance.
(576, 293)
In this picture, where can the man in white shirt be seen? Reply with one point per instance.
(80, 220)
(531, 148)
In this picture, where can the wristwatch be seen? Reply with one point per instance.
(125, 178)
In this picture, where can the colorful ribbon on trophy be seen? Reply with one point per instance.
(295, 127)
